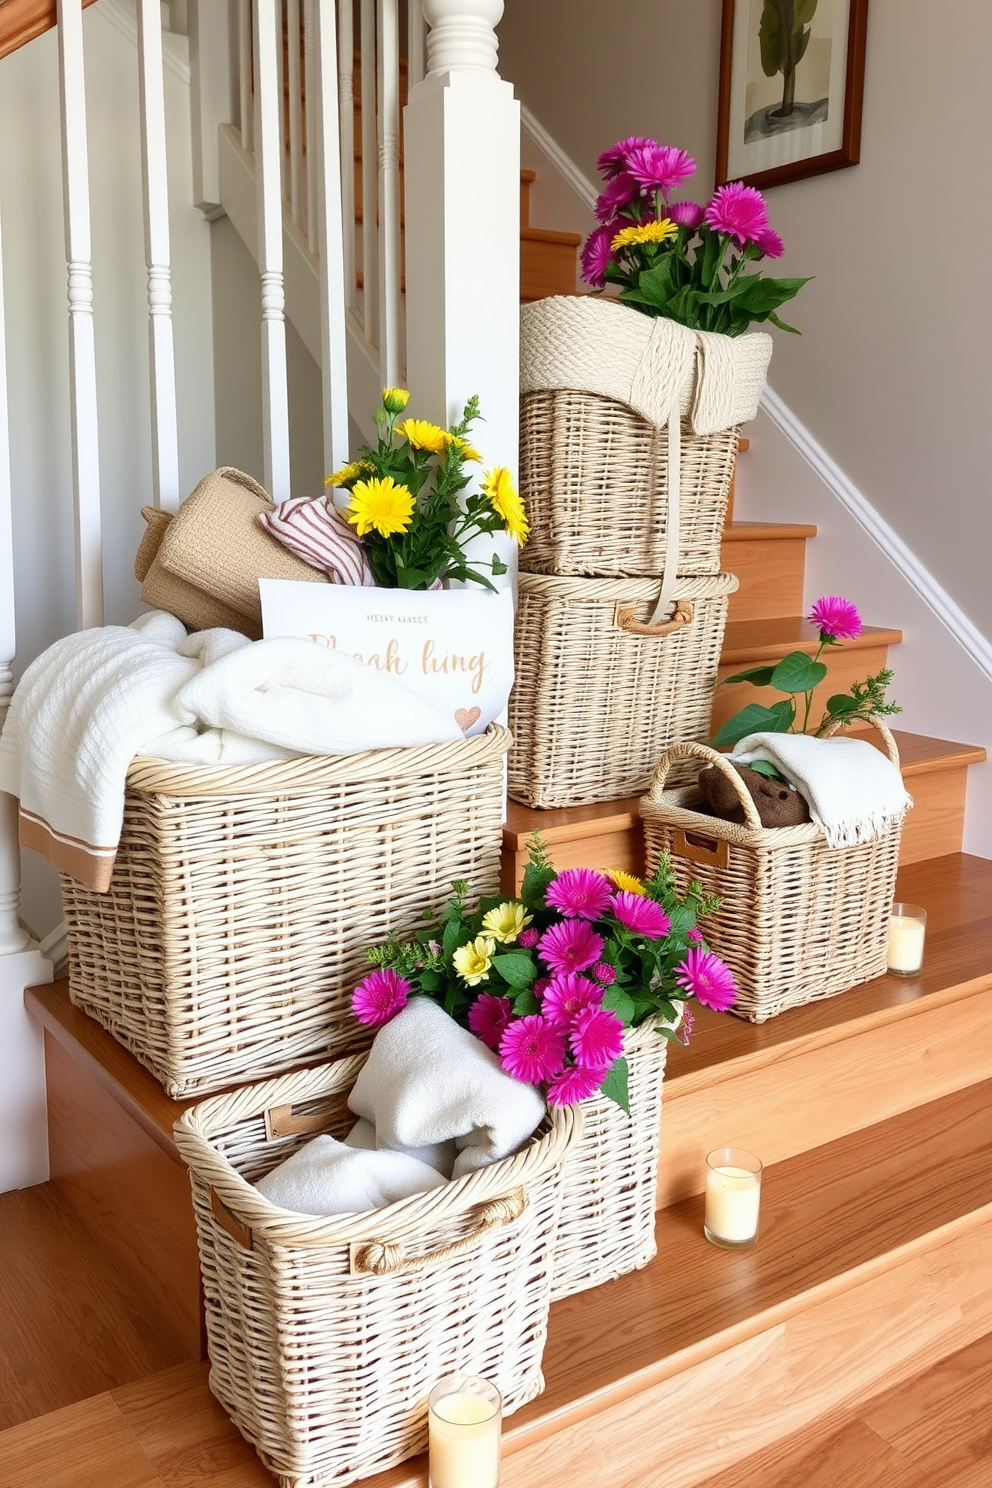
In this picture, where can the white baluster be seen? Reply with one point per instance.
(293, 24)
(245, 90)
(268, 176)
(82, 354)
(334, 368)
(389, 191)
(415, 30)
(346, 110)
(310, 76)
(214, 85)
(370, 158)
(463, 229)
(155, 191)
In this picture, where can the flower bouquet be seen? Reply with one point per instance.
(577, 985)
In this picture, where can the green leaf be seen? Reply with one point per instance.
(784, 325)
(671, 1034)
(798, 672)
(431, 981)
(618, 1002)
(614, 1087)
(535, 882)
(454, 934)
(763, 295)
(754, 719)
(516, 968)
(762, 767)
(683, 918)
(841, 703)
(525, 1003)
(757, 676)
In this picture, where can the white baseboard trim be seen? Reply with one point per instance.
(563, 164)
(55, 948)
(950, 615)
(175, 49)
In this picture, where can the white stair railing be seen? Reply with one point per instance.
(267, 17)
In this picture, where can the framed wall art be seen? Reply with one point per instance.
(791, 85)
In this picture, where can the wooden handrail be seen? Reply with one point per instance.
(22, 20)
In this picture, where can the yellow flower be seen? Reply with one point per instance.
(499, 488)
(626, 882)
(506, 921)
(380, 506)
(345, 474)
(472, 961)
(394, 400)
(647, 232)
(423, 435)
(466, 450)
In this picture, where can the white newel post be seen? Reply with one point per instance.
(462, 157)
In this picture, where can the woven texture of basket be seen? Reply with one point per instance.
(797, 921)
(599, 692)
(243, 900)
(611, 1178)
(326, 1334)
(594, 475)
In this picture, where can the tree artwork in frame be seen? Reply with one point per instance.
(791, 84)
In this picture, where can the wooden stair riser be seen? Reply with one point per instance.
(770, 572)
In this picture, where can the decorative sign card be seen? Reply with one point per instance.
(453, 647)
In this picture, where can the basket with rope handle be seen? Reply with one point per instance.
(325, 1334)
(797, 921)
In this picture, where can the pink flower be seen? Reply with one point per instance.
(685, 214)
(528, 938)
(489, 1017)
(835, 618)
(614, 159)
(658, 167)
(567, 996)
(708, 979)
(641, 914)
(688, 1023)
(541, 986)
(604, 973)
(619, 192)
(738, 210)
(770, 243)
(532, 1050)
(571, 945)
(575, 1083)
(596, 255)
(596, 1037)
(694, 936)
(379, 996)
(579, 893)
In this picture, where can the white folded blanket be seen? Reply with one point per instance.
(440, 1156)
(426, 1080)
(330, 1177)
(855, 792)
(97, 698)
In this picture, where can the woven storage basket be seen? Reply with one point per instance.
(797, 920)
(243, 900)
(599, 692)
(326, 1334)
(594, 476)
(611, 1178)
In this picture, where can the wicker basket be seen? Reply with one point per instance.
(599, 692)
(594, 475)
(326, 1334)
(797, 920)
(611, 1179)
(243, 900)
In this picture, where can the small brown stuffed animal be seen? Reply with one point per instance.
(777, 804)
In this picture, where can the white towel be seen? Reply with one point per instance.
(427, 1080)
(440, 1156)
(854, 791)
(330, 1177)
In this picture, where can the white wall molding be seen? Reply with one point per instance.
(55, 948)
(175, 49)
(940, 603)
(564, 164)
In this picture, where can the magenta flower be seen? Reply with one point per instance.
(575, 1083)
(685, 214)
(567, 996)
(694, 936)
(489, 1017)
(596, 1038)
(604, 973)
(528, 938)
(379, 996)
(619, 192)
(641, 914)
(688, 1023)
(532, 1050)
(708, 979)
(658, 167)
(738, 210)
(570, 946)
(579, 893)
(541, 986)
(770, 243)
(596, 255)
(835, 618)
(615, 158)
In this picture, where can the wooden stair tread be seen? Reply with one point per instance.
(755, 641)
(548, 235)
(767, 531)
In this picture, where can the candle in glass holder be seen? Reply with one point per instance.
(733, 1196)
(464, 1428)
(907, 932)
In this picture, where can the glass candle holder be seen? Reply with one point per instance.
(463, 1414)
(733, 1197)
(907, 932)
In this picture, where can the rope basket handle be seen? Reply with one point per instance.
(683, 614)
(709, 756)
(387, 1257)
(891, 747)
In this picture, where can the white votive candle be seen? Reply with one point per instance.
(907, 932)
(464, 1428)
(733, 1197)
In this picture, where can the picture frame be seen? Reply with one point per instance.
(801, 117)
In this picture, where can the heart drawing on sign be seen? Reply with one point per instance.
(465, 717)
